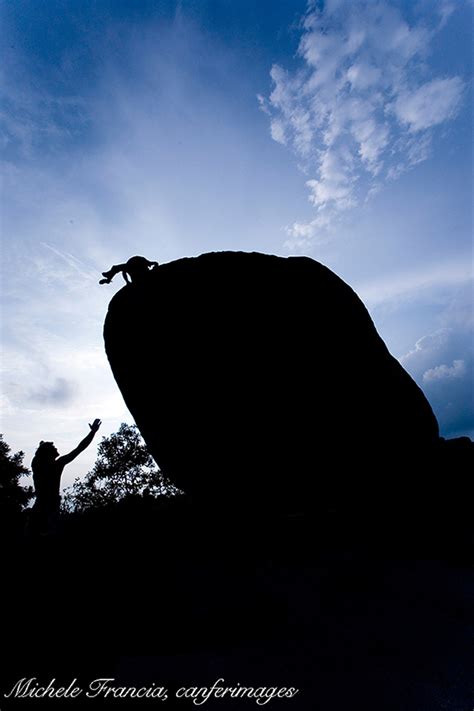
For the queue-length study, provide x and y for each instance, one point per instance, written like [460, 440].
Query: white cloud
[449, 388]
[363, 75]
[457, 370]
[430, 104]
[277, 130]
[335, 182]
[425, 350]
[445, 9]
[358, 110]
[301, 234]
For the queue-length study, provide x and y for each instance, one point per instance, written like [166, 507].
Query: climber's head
[138, 267]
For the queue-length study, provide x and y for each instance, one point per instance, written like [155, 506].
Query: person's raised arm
[66, 458]
[108, 276]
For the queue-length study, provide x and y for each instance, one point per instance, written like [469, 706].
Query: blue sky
[340, 130]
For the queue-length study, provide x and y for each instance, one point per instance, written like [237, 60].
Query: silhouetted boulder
[256, 377]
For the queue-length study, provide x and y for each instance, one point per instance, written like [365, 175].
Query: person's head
[46, 450]
[138, 267]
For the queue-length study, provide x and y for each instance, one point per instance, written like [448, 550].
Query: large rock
[254, 377]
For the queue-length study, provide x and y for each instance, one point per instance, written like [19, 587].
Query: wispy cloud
[429, 105]
[60, 392]
[406, 284]
[35, 119]
[361, 107]
[72, 266]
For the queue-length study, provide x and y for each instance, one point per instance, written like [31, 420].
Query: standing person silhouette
[47, 468]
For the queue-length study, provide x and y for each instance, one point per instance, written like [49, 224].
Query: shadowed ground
[181, 598]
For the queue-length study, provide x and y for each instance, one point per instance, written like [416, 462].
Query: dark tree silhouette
[124, 468]
[14, 497]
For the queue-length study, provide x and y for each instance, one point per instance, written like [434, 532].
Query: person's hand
[95, 426]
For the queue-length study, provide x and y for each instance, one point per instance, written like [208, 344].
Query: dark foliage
[124, 469]
[14, 497]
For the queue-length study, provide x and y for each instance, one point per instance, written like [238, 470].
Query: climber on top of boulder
[133, 271]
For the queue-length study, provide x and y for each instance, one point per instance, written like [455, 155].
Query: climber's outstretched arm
[112, 272]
